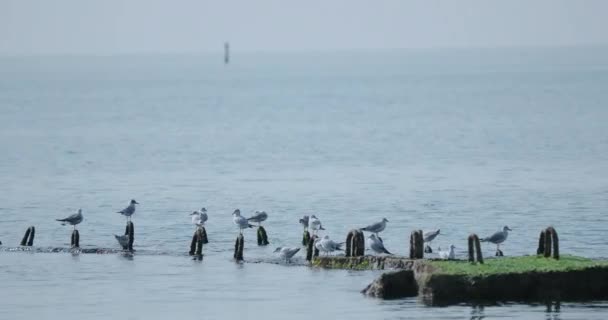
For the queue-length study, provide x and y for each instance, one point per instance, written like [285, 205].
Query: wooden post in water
[196, 247]
[311, 251]
[226, 53]
[75, 243]
[239, 247]
[130, 232]
[262, 236]
[204, 235]
[305, 238]
[28, 237]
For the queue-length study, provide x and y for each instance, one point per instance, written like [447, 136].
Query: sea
[461, 140]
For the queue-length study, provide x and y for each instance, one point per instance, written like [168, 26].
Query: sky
[38, 27]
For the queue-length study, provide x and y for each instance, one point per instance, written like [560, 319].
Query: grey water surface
[461, 140]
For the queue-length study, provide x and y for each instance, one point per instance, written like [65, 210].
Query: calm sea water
[465, 141]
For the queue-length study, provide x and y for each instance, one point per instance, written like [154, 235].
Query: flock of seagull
[309, 223]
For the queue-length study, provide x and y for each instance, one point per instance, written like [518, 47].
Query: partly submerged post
[305, 238]
[196, 247]
[204, 235]
[311, 251]
[262, 236]
[130, 233]
[238, 248]
[75, 243]
[226, 53]
[28, 237]
[474, 245]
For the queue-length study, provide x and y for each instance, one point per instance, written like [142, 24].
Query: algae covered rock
[392, 285]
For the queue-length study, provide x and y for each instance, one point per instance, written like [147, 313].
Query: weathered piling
[196, 246]
[262, 236]
[541, 243]
[75, 242]
[547, 252]
[28, 237]
[474, 246]
[355, 243]
[416, 245]
[555, 240]
[130, 233]
[550, 243]
[305, 238]
[239, 246]
[204, 235]
[311, 251]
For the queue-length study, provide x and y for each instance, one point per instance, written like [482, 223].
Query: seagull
[304, 222]
[431, 235]
[240, 221]
[122, 240]
[376, 227]
[329, 245]
[258, 217]
[448, 255]
[377, 245]
[315, 223]
[287, 253]
[498, 238]
[199, 217]
[73, 220]
[130, 210]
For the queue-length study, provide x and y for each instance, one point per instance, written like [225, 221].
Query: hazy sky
[129, 26]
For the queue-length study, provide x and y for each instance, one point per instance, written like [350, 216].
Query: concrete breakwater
[440, 282]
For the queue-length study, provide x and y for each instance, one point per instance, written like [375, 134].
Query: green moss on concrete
[508, 265]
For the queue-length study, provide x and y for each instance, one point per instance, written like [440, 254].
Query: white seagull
[73, 219]
[286, 252]
[199, 217]
[498, 237]
[315, 224]
[376, 245]
[240, 221]
[329, 245]
[258, 217]
[376, 227]
[448, 255]
[129, 210]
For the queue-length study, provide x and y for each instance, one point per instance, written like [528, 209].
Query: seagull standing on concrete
[498, 238]
[315, 224]
[377, 245]
[448, 255]
[376, 227]
[286, 252]
[73, 220]
[258, 217]
[129, 210]
[329, 245]
[240, 221]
